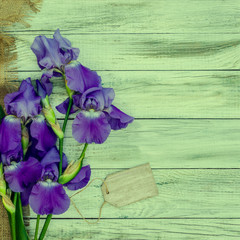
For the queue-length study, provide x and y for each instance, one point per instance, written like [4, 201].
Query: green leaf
[20, 228]
[2, 113]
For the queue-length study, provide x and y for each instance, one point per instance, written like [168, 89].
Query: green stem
[13, 219]
[45, 227]
[37, 227]
[63, 129]
[83, 152]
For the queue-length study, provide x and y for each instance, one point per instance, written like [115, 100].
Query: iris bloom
[23, 107]
[54, 53]
[37, 182]
[97, 115]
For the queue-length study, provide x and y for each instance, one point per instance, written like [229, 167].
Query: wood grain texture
[183, 193]
[144, 51]
[165, 144]
[141, 229]
[166, 94]
[139, 16]
[165, 59]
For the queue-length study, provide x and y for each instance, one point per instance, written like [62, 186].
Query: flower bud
[8, 204]
[25, 139]
[71, 171]
[57, 130]
[49, 114]
[48, 111]
[2, 181]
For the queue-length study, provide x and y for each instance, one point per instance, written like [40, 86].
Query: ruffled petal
[47, 52]
[89, 127]
[52, 156]
[43, 134]
[10, 133]
[96, 98]
[23, 103]
[21, 175]
[116, 118]
[68, 52]
[81, 180]
[62, 108]
[80, 78]
[92, 98]
[109, 95]
[49, 198]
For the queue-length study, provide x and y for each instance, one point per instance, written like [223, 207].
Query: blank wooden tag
[130, 186]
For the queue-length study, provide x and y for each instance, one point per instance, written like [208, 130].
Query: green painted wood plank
[144, 51]
[183, 193]
[139, 16]
[165, 144]
[151, 229]
[167, 94]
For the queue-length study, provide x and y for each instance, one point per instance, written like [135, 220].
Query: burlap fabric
[12, 14]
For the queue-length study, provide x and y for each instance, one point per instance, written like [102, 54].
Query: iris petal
[117, 119]
[89, 127]
[23, 174]
[62, 108]
[81, 180]
[80, 78]
[43, 134]
[10, 133]
[23, 103]
[49, 198]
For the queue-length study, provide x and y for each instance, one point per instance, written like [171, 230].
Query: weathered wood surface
[183, 193]
[144, 229]
[165, 59]
[144, 51]
[166, 94]
[139, 16]
[165, 144]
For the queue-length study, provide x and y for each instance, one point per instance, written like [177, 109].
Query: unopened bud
[57, 130]
[2, 181]
[8, 204]
[49, 114]
[71, 171]
[25, 139]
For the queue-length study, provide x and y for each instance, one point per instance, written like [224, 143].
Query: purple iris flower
[10, 140]
[54, 53]
[20, 176]
[47, 196]
[24, 103]
[97, 116]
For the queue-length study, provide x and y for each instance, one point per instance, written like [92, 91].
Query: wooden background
[174, 66]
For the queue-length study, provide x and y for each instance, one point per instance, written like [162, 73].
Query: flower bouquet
[33, 170]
